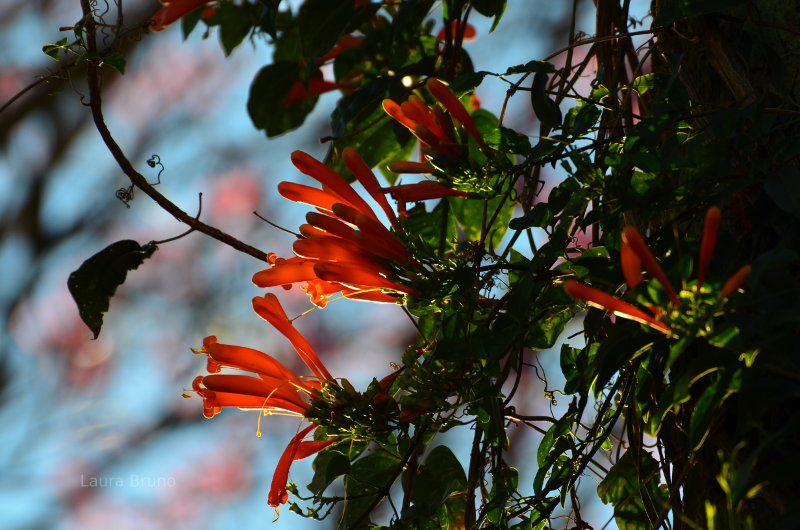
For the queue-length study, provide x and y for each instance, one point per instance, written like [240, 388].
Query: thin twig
[95, 103]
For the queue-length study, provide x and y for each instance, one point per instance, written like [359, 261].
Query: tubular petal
[374, 231]
[735, 281]
[402, 166]
[346, 42]
[450, 102]
[632, 237]
[308, 231]
[366, 177]
[469, 31]
[422, 191]
[308, 195]
[295, 450]
[315, 169]
[216, 401]
[708, 242]
[631, 266]
[316, 86]
[434, 142]
[284, 274]
[378, 297]
[382, 241]
[269, 308]
[335, 249]
[598, 298]
[172, 11]
[357, 277]
[385, 246]
[273, 394]
[419, 112]
[248, 359]
[330, 225]
[394, 110]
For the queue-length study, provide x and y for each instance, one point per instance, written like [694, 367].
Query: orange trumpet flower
[432, 126]
[297, 449]
[174, 10]
[345, 248]
[635, 254]
[273, 388]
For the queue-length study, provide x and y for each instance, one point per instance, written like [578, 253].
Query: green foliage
[272, 83]
[632, 486]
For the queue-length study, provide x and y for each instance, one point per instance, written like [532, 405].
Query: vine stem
[137, 179]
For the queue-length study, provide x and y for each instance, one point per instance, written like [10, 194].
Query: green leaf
[640, 182]
[377, 139]
[504, 485]
[544, 331]
[581, 119]
[535, 67]
[322, 22]
[646, 82]
[51, 50]
[327, 466]
[470, 215]
[115, 61]
[234, 24]
[490, 416]
[539, 216]
[546, 109]
[490, 8]
[440, 477]
[97, 279]
[189, 22]
[359, 105]
[633, 489]
[707, 409]
[267, 94]
[367, 476]
[553, 434]
[508, 140]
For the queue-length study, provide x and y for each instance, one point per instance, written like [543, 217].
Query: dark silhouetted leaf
[97, 279]
[267, 94]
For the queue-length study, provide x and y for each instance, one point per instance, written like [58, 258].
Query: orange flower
[345, 42]
[345, 248]
[297, 449]
[710, 229]
[431, 125]
[422, 191]
[634, 240]
[273, 389]
[735, 281]
[601, 300]
[469, 31]
[269, 308]
[635, 254]
[402, 166]
[316, 86]
[174, 10]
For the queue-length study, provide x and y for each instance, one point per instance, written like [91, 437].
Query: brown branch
[138, 180]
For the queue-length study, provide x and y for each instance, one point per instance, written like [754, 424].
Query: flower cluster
[432, 126]
[274, 390]
[344, 247]
[635, 254]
